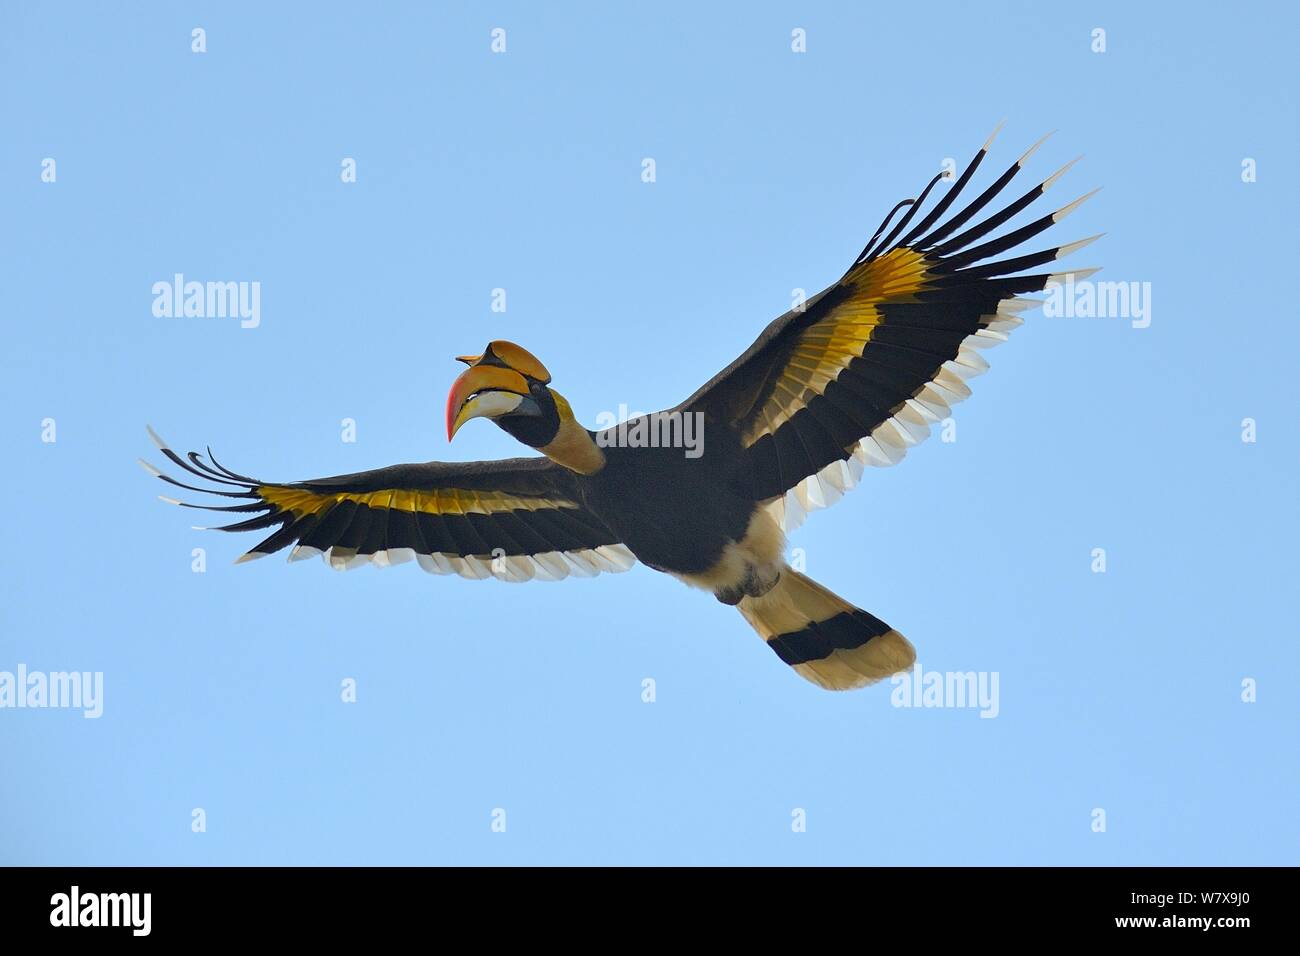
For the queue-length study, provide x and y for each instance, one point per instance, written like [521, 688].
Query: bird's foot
[754, 584]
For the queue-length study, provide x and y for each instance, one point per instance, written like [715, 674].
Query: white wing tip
[993, 135]
[1072, 275]
[157, 440]
[1033, 149]
[1071, 207]
[1047, 183]
[1070, 247]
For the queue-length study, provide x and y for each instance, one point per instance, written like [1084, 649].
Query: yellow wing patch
[827, 346]
[446, 501]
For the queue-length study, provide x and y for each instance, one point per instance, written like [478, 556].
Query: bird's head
[509, 385]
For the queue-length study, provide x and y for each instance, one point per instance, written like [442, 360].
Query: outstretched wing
[860, 373]
[515, 520]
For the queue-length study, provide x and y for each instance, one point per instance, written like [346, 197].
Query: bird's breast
[674, 511]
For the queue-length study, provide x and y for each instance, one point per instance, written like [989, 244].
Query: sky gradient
[523, 171]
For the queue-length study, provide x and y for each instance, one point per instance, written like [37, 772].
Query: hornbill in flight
[851, 379]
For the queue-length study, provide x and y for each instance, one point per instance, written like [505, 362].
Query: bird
[706, 491]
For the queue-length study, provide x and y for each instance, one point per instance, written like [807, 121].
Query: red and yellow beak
[483, 391]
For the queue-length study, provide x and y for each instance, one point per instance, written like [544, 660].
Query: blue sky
[1120, 690]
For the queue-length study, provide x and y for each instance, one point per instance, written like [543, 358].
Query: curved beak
[484, 391]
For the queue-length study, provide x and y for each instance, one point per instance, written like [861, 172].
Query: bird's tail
[823, 637]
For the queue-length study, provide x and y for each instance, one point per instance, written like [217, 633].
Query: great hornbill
[852, 378]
